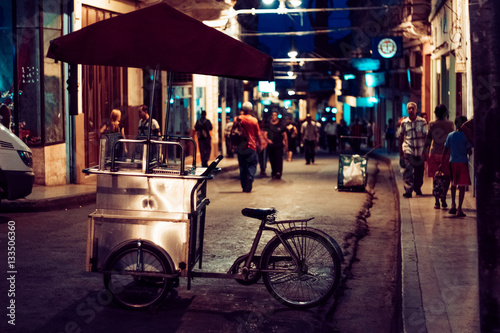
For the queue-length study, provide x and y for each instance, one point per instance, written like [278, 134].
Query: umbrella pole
[150, 120]
[170, 79]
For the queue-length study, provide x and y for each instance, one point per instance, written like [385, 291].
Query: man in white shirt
[412, 137]
[310, 138]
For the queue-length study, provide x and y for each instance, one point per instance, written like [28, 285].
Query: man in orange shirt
[247, 152]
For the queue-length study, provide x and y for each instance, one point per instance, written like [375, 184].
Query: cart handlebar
[212, 166]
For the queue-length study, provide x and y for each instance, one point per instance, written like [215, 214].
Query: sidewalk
[438, 252]
[439, 264]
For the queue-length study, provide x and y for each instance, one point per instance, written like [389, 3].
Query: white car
[16, 162]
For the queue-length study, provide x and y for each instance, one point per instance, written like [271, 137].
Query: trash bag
[353, 174]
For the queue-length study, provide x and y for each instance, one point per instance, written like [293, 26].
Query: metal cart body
[164, 205]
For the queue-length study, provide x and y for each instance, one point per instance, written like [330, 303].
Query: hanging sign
[387, 47]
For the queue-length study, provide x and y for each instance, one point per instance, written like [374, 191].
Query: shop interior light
[349, 77]
[268, 2]
[290, 73]
[291, 92]
[293, 54]
[295, 3]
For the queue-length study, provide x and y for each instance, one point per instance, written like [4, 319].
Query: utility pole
[485, 41]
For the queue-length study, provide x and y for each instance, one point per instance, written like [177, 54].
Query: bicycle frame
[250, 256]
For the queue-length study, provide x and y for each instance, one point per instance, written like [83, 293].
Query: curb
[43, 205]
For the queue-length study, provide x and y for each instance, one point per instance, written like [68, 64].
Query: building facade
[58, 109]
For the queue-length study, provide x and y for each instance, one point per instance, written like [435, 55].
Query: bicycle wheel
[137, 291]
[310, 281]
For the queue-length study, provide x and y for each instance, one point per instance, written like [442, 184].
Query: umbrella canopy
[161, 37]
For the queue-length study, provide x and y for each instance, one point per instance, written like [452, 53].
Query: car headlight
[26, 157]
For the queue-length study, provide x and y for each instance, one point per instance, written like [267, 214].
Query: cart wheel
[252, 277]
[132, 290]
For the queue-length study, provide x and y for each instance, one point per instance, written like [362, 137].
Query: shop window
[53, 101]
[29, 94]
[39, 107]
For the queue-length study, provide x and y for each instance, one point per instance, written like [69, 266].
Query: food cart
[162, 201]
[152, 206]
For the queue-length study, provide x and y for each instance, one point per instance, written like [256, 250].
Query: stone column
[485, 58]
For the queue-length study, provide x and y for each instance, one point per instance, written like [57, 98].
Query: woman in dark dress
[292, 136]
[276, 133]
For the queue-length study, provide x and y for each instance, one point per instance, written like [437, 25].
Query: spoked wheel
[252, 277]
[132, 282]
[307, 283]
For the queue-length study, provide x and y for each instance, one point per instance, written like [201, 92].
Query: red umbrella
[161, 37]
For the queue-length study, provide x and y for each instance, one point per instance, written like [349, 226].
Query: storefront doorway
[104, 88]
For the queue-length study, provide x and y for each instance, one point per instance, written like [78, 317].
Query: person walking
[292, 136]
[342, 132]
[113, 130]
[436, 137]
[143, 130]
[113, 125]
[389, 135]
[262, 149]
[457, 147]
[247, 153]
[227, 136]
[412, 138]
[143, 126]
[276, 132]
[331, 135]
[203, 127]
[310, 138]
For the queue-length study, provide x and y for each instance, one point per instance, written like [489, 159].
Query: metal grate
[166, 171]
[5, 144]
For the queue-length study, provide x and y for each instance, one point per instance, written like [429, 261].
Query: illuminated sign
[374, 79]
[365, 64]
[267, 87]
[387, 47]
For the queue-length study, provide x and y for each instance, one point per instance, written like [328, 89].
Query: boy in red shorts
[456, 149]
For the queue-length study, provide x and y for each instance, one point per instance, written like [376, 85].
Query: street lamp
[282, 7]
[294, 3]
[293, 54]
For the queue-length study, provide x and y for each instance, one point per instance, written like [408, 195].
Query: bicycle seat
[258, 213]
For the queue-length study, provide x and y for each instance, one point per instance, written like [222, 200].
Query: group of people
[271, 140]
[445, 149]
[114, 130]
[438, 143]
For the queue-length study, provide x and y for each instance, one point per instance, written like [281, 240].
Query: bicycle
[300, 266]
